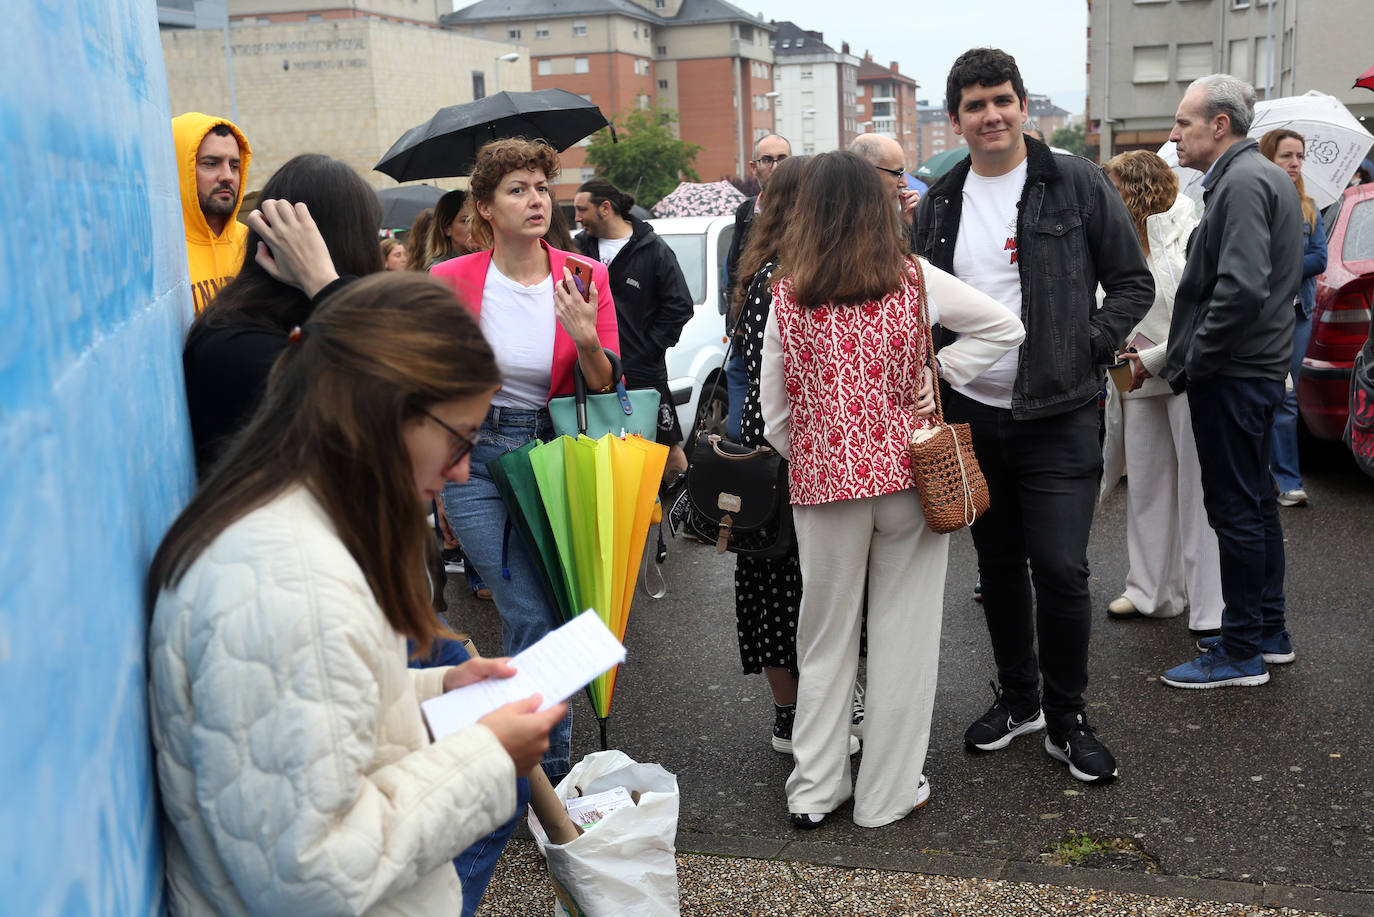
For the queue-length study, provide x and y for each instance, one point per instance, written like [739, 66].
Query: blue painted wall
[94, 444]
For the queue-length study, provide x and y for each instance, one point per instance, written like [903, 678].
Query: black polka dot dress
[767, 591]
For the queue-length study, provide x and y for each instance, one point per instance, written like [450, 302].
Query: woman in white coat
[1174, 562]
[296, 773]
[843, 358]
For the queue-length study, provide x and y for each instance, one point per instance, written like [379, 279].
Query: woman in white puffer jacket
[1174, 562]
[296, 773]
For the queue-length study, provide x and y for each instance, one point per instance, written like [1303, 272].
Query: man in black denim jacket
[1037, 231]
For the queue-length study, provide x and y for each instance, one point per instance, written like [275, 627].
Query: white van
[694, 363]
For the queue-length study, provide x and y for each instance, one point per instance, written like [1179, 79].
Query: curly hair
[1147, 186]
[495, 161]
[1269, 146]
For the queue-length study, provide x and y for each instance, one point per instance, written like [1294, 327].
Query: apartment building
[886, 104]
[1143, 54]
[816, 90]
[707, 59]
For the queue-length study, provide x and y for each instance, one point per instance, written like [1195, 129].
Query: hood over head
[213, 259]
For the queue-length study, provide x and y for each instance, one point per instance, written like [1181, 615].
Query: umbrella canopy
[447, 143]
[1336, 142]
[937, 165]
[1365, 79]
[915, 184]
[400, 206]
[700, 199]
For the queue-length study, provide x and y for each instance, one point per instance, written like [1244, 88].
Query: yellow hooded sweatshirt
[213, 259]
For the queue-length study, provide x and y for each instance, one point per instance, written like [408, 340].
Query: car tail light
[1345, 323]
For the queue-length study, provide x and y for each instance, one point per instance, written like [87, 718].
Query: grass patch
[1073, 849]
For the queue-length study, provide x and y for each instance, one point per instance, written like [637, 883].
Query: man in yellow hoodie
[212, 163]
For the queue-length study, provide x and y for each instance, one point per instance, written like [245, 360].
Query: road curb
[1307, 898]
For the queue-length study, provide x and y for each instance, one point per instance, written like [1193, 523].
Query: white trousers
[1173, 552]
[885, 538]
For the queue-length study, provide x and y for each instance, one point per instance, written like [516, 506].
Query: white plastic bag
[625, 864]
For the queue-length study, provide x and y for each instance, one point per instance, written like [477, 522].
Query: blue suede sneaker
[1276, 650]
[1214, 669]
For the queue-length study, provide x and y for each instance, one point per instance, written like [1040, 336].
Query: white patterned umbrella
[1336, 143]
[700, 199]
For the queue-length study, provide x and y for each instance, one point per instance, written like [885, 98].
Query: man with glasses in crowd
[887, 157]
[768, 152]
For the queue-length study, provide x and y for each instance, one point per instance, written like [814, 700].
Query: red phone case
[582, 276]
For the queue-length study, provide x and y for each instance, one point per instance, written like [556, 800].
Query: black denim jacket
[1073, 232]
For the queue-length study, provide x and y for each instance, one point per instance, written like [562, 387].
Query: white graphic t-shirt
[985, 258]
[607, 249]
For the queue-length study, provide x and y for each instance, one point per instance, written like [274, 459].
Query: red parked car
[1340, 320]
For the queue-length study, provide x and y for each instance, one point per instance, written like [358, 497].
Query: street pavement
[1259, 796]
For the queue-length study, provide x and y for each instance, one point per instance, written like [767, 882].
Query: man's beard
[213, 206]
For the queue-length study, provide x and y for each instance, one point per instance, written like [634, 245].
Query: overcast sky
[1048, 38]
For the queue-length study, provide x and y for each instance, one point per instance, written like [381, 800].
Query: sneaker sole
[1240, 681]
[922, 799]
[1019, 730]
[1270, 658]
[1058, 754]
[784, 746]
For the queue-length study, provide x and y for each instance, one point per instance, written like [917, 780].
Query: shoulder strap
[923, 311]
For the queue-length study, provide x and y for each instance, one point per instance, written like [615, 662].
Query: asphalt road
[1271, 784]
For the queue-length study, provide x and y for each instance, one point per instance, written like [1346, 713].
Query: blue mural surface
[95, 446]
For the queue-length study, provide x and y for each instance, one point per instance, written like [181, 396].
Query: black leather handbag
[737, 498]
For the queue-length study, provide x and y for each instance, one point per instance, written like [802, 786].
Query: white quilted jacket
[296, 773]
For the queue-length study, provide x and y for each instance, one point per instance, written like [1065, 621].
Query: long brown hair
[1147, 184]
[1269, 146]
[417, 241]
[438, 244]
[495, 161]
[372, 358]
[765, 234]
[844, 241]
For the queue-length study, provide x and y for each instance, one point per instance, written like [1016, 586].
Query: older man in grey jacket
[1229, 344]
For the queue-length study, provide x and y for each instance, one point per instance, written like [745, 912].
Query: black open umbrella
[400, 206]
[447, 144]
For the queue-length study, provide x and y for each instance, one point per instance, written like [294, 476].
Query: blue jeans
[476, 864]
[495, 552]
[737, 387]
[1233, 423]
[1284, 464]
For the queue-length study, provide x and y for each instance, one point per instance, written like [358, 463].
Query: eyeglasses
[895, 173]
[769, 160]
[466, 441]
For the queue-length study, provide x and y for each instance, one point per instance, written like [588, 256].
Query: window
[541, 30]
[859, 107]
[806, 73]
[1239, 66]
[642, 101]
[1151, 64]
[808, 149]
[1193, 60]
[1240, 4]
[661, 50]
[659, 4]
[1358, 244]
[587, 173]
[580, 65]
[479, 85]
[545, 67]
[662, 84]
[636, 30]
[1264, 67]
[513, 34]
[579, 29]
[690, 250]
[641, 67]
[800, 42]
[314, 17]
[787, 43]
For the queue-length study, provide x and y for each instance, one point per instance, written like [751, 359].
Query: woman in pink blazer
[539, 325]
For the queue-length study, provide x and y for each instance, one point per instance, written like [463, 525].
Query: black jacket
[652, 301]
[1073, 232]
[744, 219]
[1233, 313]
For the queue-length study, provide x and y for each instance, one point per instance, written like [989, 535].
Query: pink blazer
[468, 275]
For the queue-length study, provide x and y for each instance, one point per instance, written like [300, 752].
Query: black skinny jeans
[1042, 480]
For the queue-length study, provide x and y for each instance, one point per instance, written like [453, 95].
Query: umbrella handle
[614, 138]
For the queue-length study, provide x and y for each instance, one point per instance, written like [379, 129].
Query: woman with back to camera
[540, 327]
[843, 359]
[295, 770]
[417, 241]
[1174, 561]
[1287, 150]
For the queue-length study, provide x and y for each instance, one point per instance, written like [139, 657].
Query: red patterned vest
[852, 373]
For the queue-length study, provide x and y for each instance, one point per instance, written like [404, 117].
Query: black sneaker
[1088, 759]
[996, 728]
[783, 718]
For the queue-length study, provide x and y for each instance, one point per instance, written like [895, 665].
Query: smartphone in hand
[582, 276]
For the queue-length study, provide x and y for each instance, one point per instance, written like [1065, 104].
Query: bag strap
[580, 388]
[923, 311]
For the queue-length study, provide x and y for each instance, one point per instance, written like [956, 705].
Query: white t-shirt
[985, 258]
[518, 321]
[607, 249]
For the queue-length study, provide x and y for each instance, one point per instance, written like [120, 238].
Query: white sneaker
[1295, 497]
[922, 792]
[856, 722]
[1122, 607]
